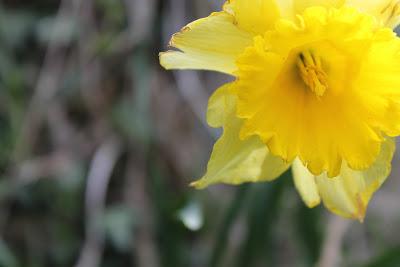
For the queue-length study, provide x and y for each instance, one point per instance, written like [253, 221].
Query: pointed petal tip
[313, 204]
[362, 209]
[198, 184]
[163, 59]
[359, 217]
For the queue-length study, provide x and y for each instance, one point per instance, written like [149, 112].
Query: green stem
[229, 219]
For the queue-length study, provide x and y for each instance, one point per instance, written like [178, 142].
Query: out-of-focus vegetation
[98, 145]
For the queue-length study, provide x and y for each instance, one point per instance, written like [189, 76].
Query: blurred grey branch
[98, 179]
[139, 201]
[331, 251]
[189, 84]
[140, 15]
[49, 80]
[104, 143]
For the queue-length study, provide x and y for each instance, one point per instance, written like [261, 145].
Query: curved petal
[301, 5]
[305, 184]
[268, 84]
[211, 43]
[219, 106]
[348, 194]
[258, 16]
[386, 11]
[236, 161]
[255, 16]
[288, 9]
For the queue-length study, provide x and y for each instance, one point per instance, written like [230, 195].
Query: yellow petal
[348, 194]
[386, 11]
[301, 5]
[211, 43]
[287, 9]
[354, 76]
[290, 8]
[305, 184]
[219, 106]
[256, 16]
[235, 161]
[229, 7]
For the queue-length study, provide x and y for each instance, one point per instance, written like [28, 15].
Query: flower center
[310, 69]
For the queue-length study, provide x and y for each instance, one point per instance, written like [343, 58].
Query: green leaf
[389, 258]
[118, 223]
[7, 257]
[226, 225]
[263, 212]
[310, 232]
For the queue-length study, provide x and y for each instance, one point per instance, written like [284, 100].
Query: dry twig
[98, 179]
[47, 85]
[331, 250]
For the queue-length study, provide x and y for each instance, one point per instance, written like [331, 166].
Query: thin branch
[189, 84]
[98, 179]
[138, 199]
[331, 250]
[47, 85]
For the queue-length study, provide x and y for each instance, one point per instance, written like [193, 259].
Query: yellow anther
[310, 69]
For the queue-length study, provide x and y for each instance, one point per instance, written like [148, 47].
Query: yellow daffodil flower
[317, 88]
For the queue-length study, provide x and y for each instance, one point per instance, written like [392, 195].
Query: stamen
[310, 69]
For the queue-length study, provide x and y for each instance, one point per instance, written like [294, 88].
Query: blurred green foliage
[77, 77]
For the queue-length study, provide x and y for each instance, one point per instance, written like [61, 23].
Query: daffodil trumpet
[317, 88]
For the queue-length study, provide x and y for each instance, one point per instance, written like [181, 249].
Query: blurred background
[98, 145]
